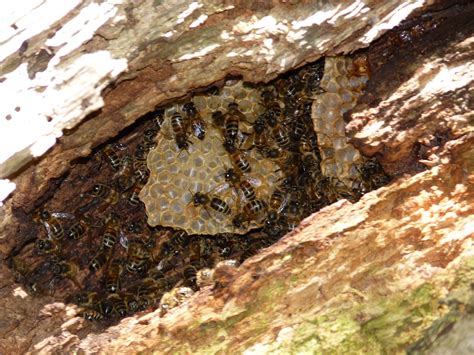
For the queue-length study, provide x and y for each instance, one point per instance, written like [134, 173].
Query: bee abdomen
[248, 190]
[220, 205]
[281, 136]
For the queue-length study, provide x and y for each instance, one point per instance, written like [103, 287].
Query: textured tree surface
[390, 272]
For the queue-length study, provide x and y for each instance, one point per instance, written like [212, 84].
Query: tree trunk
[388, 273]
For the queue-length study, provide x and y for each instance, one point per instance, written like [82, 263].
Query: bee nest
[342, 84]
[176, 174]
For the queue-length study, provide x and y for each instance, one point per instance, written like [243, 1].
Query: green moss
[266, 295]
[402, 318]
[391, 323]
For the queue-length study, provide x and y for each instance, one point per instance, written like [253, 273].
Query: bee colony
[210, 179]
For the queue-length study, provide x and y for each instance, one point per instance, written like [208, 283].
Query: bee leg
[185, 149]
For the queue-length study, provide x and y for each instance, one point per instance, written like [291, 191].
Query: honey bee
[232, 119]
[289, 164]
[198, 126]
[135, 227]
[177, 242]
[51, 223]
[149, 138]
[100, 260]
[268, 98]
[112, 276]
[168, 262]
[79, 228]
[86, 299]
[305, 146]
[278, 201]
[179, 238]
[117, 304]
[134, 199]
[92, 315]
[20, 268]
[90, 301]
[298, 128]
[155, 274]
[238, 220]
[293, 215]
[210, 202]
[274, 228]
[237, 158]
[106, 194]
[274, 111]
[292, 91]
[140, 168]
[157, 118]
[174, 298]
[48, 246]
[279, 133]
[254, 207]
[124, 178]
[372, 175]
[272, 153]
[361, 66]
[311, 165]
[131, 302]
[241, 184]
[140, 153]
[105, 307]
[226, 244]
[148, 291]
[138, 257]
[111, 233]
[67, 269]
[334, 190]
[250, 212]
[259, 134]
[112, 157]
[189, 274]
[180, 128]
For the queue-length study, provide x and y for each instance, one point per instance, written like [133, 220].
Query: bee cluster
[221, 176]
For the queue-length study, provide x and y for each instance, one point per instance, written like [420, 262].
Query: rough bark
[389, 272]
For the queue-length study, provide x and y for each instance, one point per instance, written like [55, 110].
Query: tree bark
[390, 272]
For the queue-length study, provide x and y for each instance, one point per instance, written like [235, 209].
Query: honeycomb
[175, 174]
[91, 244]
[342, 82]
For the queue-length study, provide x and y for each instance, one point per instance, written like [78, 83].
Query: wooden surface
[389, 272]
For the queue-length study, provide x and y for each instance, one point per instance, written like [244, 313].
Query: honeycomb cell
[342, 90]
[200, 167]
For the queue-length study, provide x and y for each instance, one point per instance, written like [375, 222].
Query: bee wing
[219, 188]
[254, 181]
[63, 215]
[284, 203]
[123, 241]
[198, 127]
[48, 230]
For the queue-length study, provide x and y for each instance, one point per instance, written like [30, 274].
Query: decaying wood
[391, 272]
